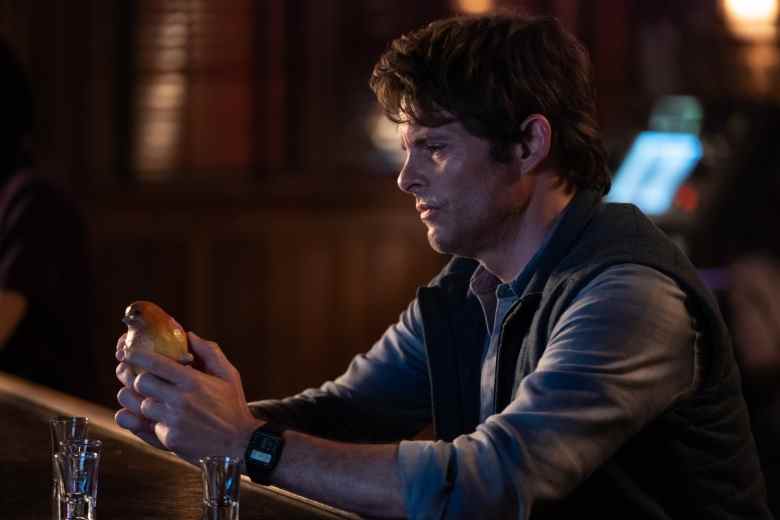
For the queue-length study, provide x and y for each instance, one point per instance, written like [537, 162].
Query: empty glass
[76, 465]
[63, 429]
[221, 483]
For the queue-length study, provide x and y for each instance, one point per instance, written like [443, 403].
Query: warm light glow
[473, 6]
[161, 120]
[384, 134]
[158, 143]
[166, 93]
[751, 19]
[173, 32]
[160, 134]
[172, 59]
[752, 10]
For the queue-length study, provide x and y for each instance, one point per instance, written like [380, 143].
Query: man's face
[464, 197]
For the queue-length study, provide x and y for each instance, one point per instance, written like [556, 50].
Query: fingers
[213, 358]
[120, 343]
[163, 433]
[125, 374]
[129, 421]
[159, 365]
[149, 385]
[129, 399]
[138, 426]
[154, 410]
[150, 438]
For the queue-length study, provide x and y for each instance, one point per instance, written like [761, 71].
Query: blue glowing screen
[653, 169]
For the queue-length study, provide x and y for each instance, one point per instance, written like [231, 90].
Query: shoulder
[637, 281]
[633, 297]
[632, 308]
[622, 231]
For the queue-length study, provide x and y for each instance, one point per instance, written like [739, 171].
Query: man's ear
[535, 142]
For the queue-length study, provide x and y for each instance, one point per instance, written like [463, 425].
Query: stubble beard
[461, 243]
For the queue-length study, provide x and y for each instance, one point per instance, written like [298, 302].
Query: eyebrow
[421, 140]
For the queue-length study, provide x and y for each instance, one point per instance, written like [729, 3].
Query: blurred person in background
[754, 317]
[569, 357]
[738, 234]
[45, 281]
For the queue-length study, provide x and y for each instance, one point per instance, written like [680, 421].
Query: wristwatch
[263, 452]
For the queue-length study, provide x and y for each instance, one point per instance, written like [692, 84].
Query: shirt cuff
[423, 468]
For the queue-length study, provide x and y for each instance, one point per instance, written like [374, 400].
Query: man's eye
[433, 148]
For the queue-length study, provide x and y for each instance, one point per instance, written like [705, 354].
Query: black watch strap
[263, 452]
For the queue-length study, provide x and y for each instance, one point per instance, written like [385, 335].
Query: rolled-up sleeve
[618, 357]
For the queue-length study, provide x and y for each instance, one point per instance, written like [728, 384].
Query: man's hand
[194, 414]
[130, 416]
[181, 409]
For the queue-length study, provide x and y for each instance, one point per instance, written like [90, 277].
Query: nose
[410, 180]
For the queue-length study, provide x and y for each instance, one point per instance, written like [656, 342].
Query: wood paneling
[131, 266]
[290, 295]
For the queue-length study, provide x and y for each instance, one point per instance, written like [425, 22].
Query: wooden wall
[291, 294]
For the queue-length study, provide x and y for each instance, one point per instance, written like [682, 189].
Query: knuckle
[122, 396]
[124, 374]
[141, 383]
[147, 406]
[163, 434]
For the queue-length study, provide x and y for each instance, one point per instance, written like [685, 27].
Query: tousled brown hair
[492, 72]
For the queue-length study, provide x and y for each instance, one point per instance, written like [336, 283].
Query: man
[569, 358]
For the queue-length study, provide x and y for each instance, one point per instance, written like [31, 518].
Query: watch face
[263, 449]
[259, 456]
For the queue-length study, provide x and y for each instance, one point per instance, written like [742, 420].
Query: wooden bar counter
[136, 481]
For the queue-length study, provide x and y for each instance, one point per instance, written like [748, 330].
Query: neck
[525, 229]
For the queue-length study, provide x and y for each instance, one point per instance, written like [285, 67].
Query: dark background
[221, 153]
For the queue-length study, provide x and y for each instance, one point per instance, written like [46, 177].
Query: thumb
[212, 357]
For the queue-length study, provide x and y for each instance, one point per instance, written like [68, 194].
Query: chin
[440, 244]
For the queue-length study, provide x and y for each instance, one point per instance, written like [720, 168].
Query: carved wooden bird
[152, 329]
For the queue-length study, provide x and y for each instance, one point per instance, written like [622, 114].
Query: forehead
[411, 132]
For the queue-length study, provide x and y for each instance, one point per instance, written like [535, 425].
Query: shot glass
[63, 429]
[76, 465]
[221, 483]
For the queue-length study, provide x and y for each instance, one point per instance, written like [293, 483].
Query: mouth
[427, 210]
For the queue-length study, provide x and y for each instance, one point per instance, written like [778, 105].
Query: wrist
[264, 451]
[243, 437]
